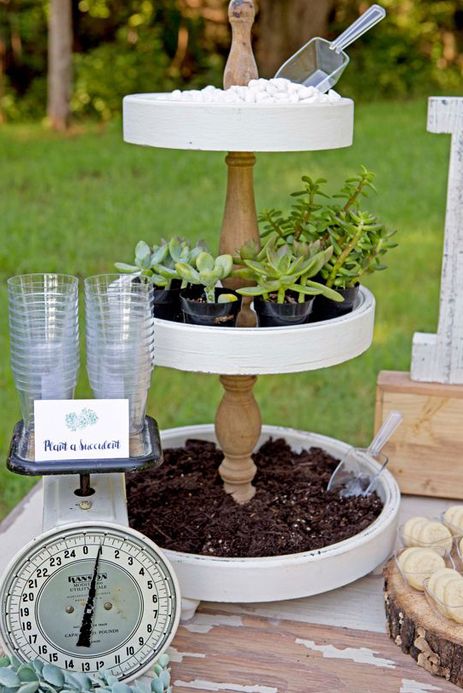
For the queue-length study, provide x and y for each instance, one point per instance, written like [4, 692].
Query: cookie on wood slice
[433, 641]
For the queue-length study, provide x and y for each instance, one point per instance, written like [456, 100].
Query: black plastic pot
[270, 314]
[197, 312]
[167, 304]
[326, 309]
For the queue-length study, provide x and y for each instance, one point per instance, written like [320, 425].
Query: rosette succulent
[207, 271]
[278, 269]
[158, 262]
[39, 677]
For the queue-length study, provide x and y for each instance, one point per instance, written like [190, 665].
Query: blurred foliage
[416, 50]
[123, 46]
[120, 46]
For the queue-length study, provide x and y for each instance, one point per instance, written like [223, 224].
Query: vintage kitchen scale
[88, 593]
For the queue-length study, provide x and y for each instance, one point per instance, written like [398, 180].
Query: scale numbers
[89, 598]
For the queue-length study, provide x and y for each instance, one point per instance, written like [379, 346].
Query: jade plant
[207, 272]
[358, 239]
[158, 262]
[300, 223]
[37, 676]
[279, 269]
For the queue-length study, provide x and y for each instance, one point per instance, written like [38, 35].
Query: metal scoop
[350, 477]
[320, 63]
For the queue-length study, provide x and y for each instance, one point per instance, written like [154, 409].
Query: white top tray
[261, 350]
[155, 122]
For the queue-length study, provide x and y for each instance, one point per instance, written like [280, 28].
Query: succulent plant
[285, 268]
[158, 263]
[207, 271]
[145, 259]
[358, 239]
[300, 222]
[39, 677]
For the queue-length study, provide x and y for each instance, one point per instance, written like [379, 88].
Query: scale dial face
[89, 598]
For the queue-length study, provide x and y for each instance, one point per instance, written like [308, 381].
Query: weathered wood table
[333, 642]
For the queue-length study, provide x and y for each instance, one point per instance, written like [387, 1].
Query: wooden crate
[426, 452]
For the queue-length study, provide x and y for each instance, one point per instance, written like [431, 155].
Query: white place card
[77, 429]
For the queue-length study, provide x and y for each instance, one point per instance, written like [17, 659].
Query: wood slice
[434, 642]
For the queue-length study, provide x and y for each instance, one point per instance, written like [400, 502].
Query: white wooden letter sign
[439, 357]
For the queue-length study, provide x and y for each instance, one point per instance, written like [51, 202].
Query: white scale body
[89, 594]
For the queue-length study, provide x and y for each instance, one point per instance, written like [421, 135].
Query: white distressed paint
[439, 357]
[411, 686]
[295, 575]
[202, 685]
[203, 623]
[258, 351]
[176, 656]
[152, 121]
[360, 655]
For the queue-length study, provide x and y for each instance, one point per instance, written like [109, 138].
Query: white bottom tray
[294, 575]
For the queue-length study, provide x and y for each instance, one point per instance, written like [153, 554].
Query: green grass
[75, 204]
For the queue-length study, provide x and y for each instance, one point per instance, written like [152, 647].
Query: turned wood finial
[238, 427]
[241, 65]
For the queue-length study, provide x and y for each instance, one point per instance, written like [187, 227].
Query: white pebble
[333, 95]
[265, 91]
[293, 87]
[280, 83]
[262, 97]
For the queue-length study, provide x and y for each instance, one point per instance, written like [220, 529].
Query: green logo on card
[77, 422]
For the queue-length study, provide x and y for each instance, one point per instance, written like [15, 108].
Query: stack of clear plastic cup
[44, 337]
[120, 341]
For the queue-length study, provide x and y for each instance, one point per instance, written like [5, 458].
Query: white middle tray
[261, 350]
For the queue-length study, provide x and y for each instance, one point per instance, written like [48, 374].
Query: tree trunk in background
[59, 63]
[284, 26]
[2, 78]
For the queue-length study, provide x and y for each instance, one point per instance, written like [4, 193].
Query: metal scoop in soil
[349, 477]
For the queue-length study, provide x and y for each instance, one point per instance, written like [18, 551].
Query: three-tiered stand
[239, 355]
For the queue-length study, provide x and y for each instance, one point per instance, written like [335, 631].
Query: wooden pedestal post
[427, 450]
[238, 422]
[238, 426]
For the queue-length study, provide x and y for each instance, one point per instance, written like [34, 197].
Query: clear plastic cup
[442, 545]
[30, 379]
[44, 337]
[137, 405]
[28, 397]
[23, 283]
[36, 345]
[120, 341]
[416, 579]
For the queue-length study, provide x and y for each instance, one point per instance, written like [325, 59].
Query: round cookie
[435, 534]
[453, 599]
[418, 564]
[454, 516]
[450, 572]
[411, 528]
[438, 591]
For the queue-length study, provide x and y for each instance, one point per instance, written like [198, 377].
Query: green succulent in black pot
[284, 286]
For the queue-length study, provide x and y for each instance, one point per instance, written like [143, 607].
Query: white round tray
[261, 350]
[153, 121]
[295, 575]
